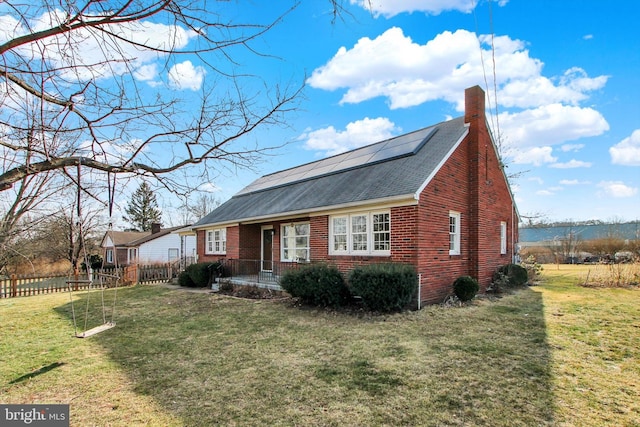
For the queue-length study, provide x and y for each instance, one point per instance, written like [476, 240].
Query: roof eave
[398, 200]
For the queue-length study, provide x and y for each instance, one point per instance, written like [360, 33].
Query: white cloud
[571, 147]
[570, 88]
[617, 189]
[536, 110]
[571, 164]
[535, 155]
[389, 8]
[146, 73]
[573, 182]
[409, 74]
[627, 151]
[209, 187]
[356, 134]
[185, 76]
[551, 124]
[95, 54]
[536, 179]
[545, 193]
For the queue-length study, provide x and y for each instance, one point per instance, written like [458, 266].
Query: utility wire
[495, 124]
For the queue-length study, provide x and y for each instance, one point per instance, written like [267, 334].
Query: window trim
[132, 255]
[369, 233]
[295, 237]
[210, 241]
[457, 223]
[503, 237]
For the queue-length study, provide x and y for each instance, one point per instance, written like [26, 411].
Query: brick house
[437, 198]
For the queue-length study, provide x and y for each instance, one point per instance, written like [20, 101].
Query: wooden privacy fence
[26, 285]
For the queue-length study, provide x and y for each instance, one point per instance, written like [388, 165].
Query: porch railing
[256, 271]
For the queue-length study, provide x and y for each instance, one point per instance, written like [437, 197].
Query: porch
[260, 273]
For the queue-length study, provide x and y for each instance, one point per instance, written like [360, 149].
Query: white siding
[157, 250]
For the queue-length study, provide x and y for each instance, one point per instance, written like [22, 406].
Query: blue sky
[561, 79]
[565, 76]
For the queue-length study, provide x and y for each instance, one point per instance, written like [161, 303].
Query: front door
[267, 249]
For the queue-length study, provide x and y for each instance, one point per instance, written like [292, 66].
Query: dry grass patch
[183, 358]
[594, 334]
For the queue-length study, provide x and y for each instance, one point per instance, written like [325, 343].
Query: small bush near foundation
[384, 287]
[516, 275]
[316, 284]
[465, 288]
[200, 273]
[185, 280]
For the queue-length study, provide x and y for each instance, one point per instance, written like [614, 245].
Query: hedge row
[382, 287]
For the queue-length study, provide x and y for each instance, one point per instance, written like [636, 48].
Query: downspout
[513, 237]
[419, 289]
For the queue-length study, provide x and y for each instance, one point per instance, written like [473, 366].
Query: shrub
[516, 275]
[316, 284]
[95, 261]
[465, 288]
[185, 280]
[384, 287]
[534, 269]
[200, 274]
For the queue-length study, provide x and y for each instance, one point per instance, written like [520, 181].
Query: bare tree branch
[84, 71]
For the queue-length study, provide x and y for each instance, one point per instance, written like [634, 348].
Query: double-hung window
[454, 233]
[295, 242]
[362, 233]
[216, 242]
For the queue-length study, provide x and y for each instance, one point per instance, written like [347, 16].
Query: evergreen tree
[142, 210]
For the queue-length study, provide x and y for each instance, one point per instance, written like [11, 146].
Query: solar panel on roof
[401, 146]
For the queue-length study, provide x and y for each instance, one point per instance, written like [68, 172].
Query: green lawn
[554, 354]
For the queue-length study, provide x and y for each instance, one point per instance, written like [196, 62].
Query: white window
[173, 254]
[216, 242]
[359, 233]
[339, 234]
[454, 233]
[109, 256]
[381, 232]
[362, 233]
[133, 255]
[503, 237]
[295, 242]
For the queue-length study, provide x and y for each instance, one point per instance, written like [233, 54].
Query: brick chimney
[474, 105]
[474, 115]
[155, 227]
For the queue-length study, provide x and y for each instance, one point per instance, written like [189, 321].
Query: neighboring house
[151, 247]
[436, 198]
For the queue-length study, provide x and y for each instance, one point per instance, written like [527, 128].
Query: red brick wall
[449, 190]
[474, 165]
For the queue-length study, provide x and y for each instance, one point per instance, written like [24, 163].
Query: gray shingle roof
[402, 175]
